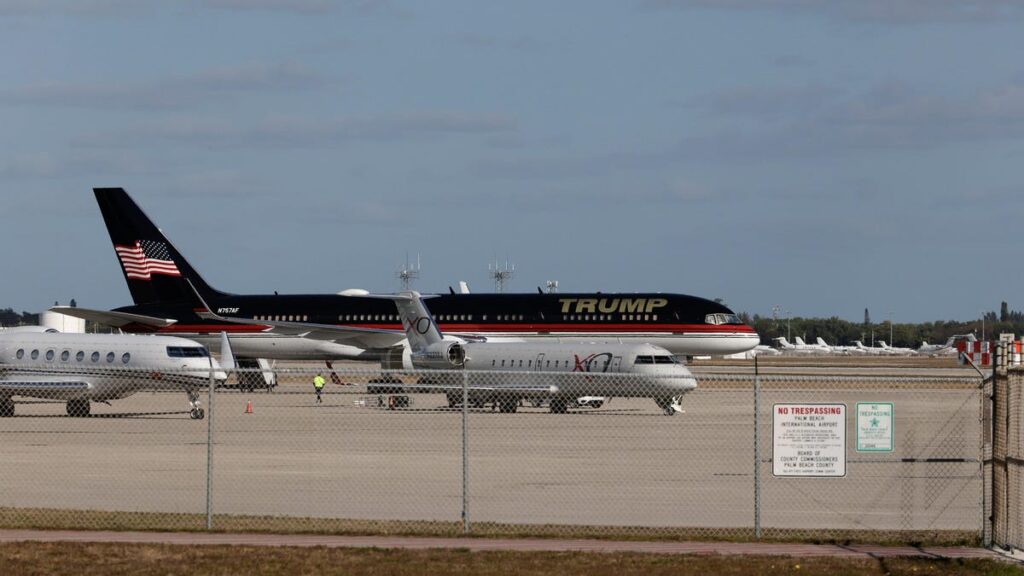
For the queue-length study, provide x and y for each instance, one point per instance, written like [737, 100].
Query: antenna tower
[501, 275]
[406, 274]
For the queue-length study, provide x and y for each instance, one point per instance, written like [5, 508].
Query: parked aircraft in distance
[799, 348]
[947, 349]
[157, 277]
[895, 351]
[39, 362]
[538, 370]
[837, 349]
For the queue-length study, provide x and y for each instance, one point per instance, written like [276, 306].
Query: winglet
[227, 356]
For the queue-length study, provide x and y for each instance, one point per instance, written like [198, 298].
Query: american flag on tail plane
[146, 258]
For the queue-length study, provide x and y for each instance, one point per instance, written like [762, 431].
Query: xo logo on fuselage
[588, 363]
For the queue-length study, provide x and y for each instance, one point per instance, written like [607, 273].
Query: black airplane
[159, 279]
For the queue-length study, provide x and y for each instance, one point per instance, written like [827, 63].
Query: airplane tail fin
[821, 341]
[420, 328]
[800, 341]
[153, 268]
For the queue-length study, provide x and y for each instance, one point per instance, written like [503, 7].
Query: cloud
[770, 102]
[301, 132]
[169, 93]
[73, 7]
[819, 121]
[118, 8]
[49, 165]
[891, 12]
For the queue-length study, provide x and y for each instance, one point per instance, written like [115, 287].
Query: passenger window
[492, 362]
[95, 357]
[21, 353]
[502, 363]
[35, 354]
[529, 363]
[80, 356]
[110, 357]
[49, 355]
[65, 355]
[520, 363]
[547, 363]
[125, 358]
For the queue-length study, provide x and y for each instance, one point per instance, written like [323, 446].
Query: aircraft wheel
[197, 413]
[78, 408]
[559, 406]
[509, 406]
[6, 408]
[454, 399]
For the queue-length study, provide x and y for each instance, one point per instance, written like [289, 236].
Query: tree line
[835, 330]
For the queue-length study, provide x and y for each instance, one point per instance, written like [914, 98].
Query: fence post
[209, 451]
[757, 452]
[465, 454]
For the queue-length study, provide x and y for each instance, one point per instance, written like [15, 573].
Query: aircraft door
[539, 365]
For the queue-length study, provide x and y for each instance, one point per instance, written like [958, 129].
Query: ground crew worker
[318, 385]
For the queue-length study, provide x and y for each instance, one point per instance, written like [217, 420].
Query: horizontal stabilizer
[112, 318]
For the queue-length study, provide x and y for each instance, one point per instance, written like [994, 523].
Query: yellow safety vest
[318, 382]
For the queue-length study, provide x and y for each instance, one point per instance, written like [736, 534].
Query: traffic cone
[248, 407]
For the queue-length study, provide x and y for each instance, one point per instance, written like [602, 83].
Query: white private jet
[947, 349]
[869, 350]
[800, 347]
[895, 351]
[38, 362]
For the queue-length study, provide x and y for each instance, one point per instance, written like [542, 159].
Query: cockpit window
[659, 359]
[187, 352]
[722, 319]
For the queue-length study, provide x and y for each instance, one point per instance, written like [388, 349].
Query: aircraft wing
[360, 337]
[43, 385]
[352, 335]
[112, 318]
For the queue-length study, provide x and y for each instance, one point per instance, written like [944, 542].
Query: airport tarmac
[625, 464]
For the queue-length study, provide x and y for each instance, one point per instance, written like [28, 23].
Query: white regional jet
[38, 362]
[529, 370]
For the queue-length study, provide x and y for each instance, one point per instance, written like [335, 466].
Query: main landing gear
[6, 407]
[78, 408]
[196, 413]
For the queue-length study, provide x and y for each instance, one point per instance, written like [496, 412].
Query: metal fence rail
[402, 453]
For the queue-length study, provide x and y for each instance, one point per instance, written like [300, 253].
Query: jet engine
[441, 356]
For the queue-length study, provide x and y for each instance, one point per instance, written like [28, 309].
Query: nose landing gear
[670, 405]
[196, 413]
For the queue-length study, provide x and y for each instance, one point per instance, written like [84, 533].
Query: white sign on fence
[809, 440]
[874, 426]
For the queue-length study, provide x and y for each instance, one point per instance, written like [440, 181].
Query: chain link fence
[1005, 458]
[403, 453]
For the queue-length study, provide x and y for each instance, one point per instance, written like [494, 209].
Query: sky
[822, 157]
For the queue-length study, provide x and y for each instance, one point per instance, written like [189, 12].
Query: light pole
[982, 325]
[787, 325]
[891, 343]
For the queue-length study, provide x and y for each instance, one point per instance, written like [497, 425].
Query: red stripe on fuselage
[525, 328]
